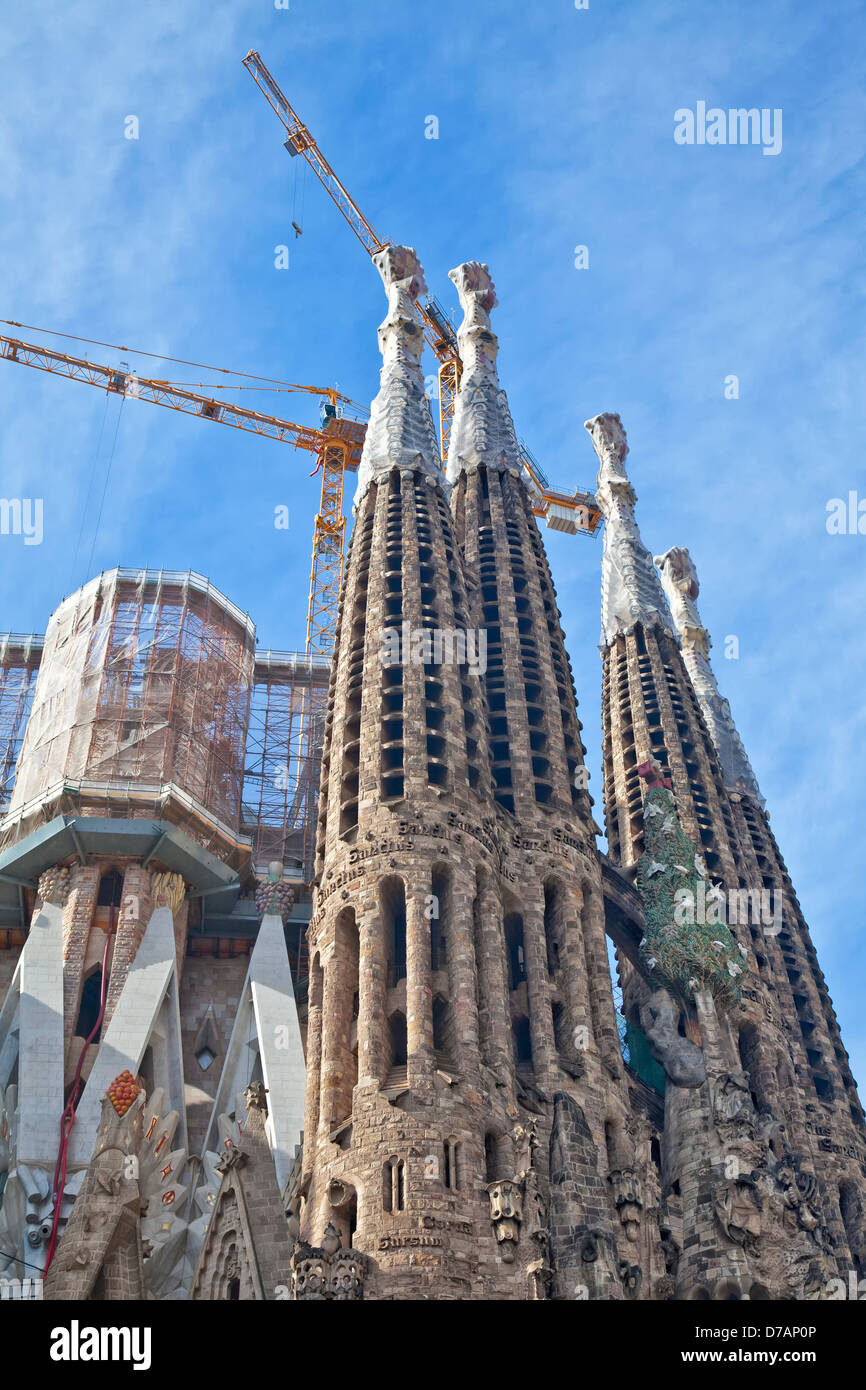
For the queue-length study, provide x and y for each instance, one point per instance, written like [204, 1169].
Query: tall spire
[680, 582]
[630, 588]
[400, 433]
[483, 431]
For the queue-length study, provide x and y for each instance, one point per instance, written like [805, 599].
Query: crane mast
[338, 445]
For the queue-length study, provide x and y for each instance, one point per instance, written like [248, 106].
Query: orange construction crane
[338, 445]
[565, 511]
[437, 330]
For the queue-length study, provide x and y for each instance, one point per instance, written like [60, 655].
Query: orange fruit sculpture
[123, 1091]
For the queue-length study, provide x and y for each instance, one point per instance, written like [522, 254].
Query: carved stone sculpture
[682, 1060]
[627, 1200]
[506, 1213]
[328, 1273]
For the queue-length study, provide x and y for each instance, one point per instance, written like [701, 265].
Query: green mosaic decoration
[681, 952]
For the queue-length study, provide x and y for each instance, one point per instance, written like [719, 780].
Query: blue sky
[555, 130]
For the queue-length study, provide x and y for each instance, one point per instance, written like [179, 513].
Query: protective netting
[19, 667]
[151, 689]
[145, 680]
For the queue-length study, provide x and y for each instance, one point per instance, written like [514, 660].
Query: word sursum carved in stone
[737, 126]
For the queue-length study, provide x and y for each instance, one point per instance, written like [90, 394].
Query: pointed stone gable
[247, 1251]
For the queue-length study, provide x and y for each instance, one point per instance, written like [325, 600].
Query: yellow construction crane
[564, 511]
[338, 445]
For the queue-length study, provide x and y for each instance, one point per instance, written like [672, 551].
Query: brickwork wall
[132, 918]
[207, 980]
[77, 924]
[8, 962]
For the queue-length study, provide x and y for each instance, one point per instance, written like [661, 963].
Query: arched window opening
[560, 1028]
[748, 1046]
[110, 891]
[522, 1037]
[617, 1145]
[393, 903]
[439, 911]
[497, 1156]
[91, 999]
[399, 1040]
[478, 943]
[553, 926]
[394, 1185]
[345, 962]
[451, 1174]
[515, 949]
[443, 1029]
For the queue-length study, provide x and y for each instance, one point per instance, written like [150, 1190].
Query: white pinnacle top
[680, 581]
[630, 588]
[482, 431]
[400, 433]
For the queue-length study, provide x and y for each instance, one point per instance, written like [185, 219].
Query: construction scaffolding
[144, 692]
[20, 657]
[152, 701]
[283, 758]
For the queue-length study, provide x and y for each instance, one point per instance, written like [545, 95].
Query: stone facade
[247, 1252]
[458, 970]
[757, 1198]
[446, 1112]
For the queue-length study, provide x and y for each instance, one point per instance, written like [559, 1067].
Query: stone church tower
[749, 1117]
[462, 1052]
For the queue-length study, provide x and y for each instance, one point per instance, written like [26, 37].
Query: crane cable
[138, 352]
[86, 508]
[105, 487]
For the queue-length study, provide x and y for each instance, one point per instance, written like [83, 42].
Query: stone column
[314, 1060]
[419, 993]
[331, 1037]
[577, 986]
[540, 1017]
[132, 918]
[602, 1008]
[371, 998]
[460, 949]
[77, 921]
[493, 981]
